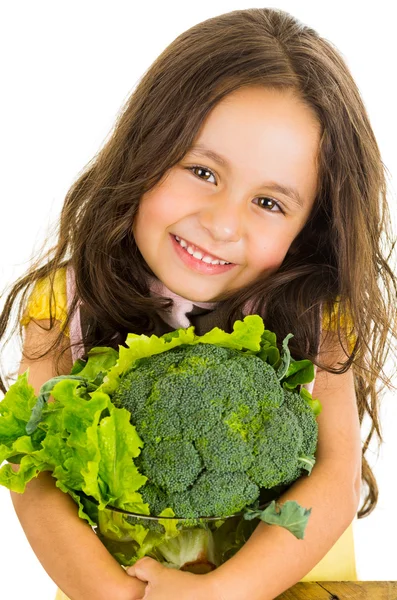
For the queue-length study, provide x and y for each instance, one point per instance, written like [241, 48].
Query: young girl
[242, 177]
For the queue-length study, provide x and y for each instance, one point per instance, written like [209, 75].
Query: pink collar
[177, 315]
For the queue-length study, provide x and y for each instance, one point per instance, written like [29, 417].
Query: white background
[67, 68]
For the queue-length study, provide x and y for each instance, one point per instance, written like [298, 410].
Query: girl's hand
[164, 583]
[135, 590]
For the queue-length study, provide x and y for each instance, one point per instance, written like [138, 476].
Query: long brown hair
[340, 259]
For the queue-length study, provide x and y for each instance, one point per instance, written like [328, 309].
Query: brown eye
[270, 203]
[201, 172]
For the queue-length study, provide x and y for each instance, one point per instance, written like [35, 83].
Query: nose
[222, 217]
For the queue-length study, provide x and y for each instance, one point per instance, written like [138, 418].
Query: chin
[191, 295]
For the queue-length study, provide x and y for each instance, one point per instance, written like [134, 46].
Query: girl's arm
[66, 546]
[273, 560]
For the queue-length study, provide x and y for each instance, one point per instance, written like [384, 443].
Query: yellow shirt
[337, 565]
[38, 306]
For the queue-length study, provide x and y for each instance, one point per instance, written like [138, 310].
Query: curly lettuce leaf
[118, 444]
[42, 399]
[15, 445]
[269, 351]
[246, 335]
[89, 373]
[88, 445]
[100, 359]
[129, 538]
[15, 410]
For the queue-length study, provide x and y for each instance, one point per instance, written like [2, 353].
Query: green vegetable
[216, 427]
[177, 426]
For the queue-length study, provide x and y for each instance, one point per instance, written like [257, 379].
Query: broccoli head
[216, 426]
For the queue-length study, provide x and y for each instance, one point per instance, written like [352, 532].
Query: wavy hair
[341, 258]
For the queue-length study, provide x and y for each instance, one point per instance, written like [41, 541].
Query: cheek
[268, 254]
[163, 207]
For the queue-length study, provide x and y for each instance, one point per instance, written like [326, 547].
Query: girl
[242, 177]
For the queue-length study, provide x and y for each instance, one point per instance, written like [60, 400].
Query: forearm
[273, 560]
[67, 547]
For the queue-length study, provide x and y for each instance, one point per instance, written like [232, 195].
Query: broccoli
[173, 465]
[216, 426]
[169, 430]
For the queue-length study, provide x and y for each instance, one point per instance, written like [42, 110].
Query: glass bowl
[195, 545]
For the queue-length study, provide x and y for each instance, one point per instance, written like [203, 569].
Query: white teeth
[199, 255]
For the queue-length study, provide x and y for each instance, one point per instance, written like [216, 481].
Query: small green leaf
[299, 372]
[285, 358]
[316, 407]
[17, 404]
[78, 366]
[314, 403]
[290, 515]
[307, 463]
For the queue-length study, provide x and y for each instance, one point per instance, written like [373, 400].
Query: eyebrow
[200, 149]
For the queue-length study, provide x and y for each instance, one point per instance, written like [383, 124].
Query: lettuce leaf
[88, 445]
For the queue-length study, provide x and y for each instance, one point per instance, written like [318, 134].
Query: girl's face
[240, 199]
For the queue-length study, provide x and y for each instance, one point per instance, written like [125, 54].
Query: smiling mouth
[199, 253]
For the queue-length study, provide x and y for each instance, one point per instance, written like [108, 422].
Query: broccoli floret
[307, 422]
[155, 497]
[172, 465]
[289, 438]
[222, 494]
[217, 426]
[277, 458]
[140, 392]
[217, 494]
[181, 504]
[224, 450]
